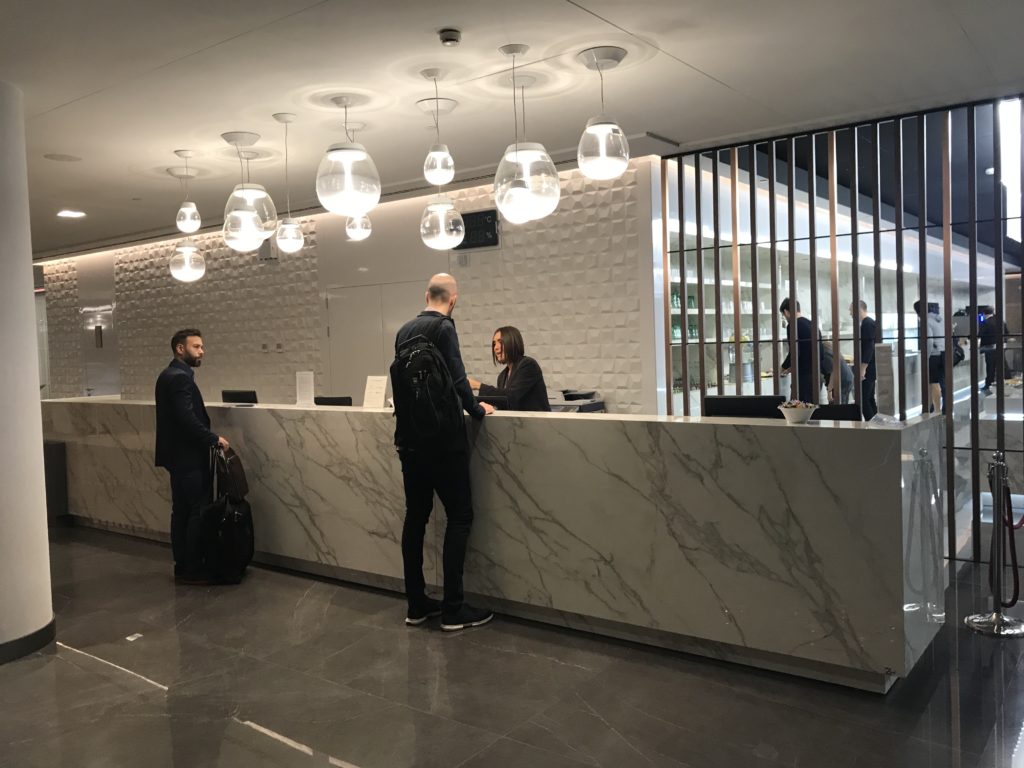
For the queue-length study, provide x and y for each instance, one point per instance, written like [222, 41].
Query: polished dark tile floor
[288, 671]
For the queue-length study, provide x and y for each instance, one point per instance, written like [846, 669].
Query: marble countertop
[533, 415]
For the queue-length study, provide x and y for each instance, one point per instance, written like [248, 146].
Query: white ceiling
[123, 83]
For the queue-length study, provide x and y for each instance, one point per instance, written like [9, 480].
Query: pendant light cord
[287, 183]
[437, 113]
[241, 166]
[522, 94]
[515, 111]
[347, 134]
[186, 178]
[601, 75]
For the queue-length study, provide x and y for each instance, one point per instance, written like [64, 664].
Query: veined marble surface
[810, 549]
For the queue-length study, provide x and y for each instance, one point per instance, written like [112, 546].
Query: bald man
[441, 465]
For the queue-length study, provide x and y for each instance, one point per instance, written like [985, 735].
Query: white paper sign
[376, 388]
[304, 388]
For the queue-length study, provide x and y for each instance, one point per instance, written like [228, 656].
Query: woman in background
[521, 382]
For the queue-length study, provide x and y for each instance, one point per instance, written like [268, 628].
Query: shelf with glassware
[713, 306]
[719, 298]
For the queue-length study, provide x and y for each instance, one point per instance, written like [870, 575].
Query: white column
[26, 608]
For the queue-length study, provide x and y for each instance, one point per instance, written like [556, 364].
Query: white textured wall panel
[64, 331]
[569, 282]
[241, 304]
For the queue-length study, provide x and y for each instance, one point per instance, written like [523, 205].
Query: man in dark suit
[868, 374]
[183, 443]
[806, 391]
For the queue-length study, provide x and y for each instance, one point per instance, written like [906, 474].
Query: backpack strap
[431, 334]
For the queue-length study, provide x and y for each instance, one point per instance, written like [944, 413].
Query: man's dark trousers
[191, 489]
[867, 399]
[424, 472]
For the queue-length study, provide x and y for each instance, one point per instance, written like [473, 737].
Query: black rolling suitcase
[227, 521]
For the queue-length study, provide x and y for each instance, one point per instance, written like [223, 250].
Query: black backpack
[425, 396]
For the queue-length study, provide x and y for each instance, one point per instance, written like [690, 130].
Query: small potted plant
[797, 411]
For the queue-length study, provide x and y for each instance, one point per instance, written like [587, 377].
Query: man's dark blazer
[183, 436]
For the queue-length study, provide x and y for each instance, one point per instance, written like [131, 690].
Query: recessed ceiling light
[363, 269]
[63, 158]
[990, 171]
[69, 214]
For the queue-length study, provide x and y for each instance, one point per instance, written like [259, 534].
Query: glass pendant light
[347, 182]
[526, 185]
[603, 151]
[358, 227]
[250, 216]
[439, 167]
[441, 227]
[188, 219]
[187, 263]
[289, 232]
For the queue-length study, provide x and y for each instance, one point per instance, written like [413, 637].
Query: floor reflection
[285, 670]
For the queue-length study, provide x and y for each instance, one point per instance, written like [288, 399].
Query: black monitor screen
[238, 395]
[744, 406]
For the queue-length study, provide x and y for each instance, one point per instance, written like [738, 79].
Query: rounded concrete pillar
[26, 607]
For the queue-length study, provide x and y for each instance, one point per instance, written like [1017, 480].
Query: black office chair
[331, 400]
[744, 406]
[238, 396]
[837, 412]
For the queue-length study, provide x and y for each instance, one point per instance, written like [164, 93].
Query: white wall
[578, 284]
[247, 309]
[63, 338]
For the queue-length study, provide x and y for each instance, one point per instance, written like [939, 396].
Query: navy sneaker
[426, 609]
[467, 616]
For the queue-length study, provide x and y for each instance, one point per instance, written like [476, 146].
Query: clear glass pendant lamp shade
[289, 236]
[250, 217]
[526, 185]
[358, 228]
[441, 226]
[188, 219]
[603, 151]
[347, 182]
[187, 263]
[439, 167]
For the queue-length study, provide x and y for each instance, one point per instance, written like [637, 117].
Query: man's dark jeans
[191, 490]
[867, 399]
[424, 472]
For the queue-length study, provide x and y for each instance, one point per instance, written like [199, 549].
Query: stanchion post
[995, 623]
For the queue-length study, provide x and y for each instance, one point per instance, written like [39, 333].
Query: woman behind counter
[521, 381]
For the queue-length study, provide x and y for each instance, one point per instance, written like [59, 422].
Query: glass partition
[914, 222]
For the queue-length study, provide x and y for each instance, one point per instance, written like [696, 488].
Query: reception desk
[814, 550]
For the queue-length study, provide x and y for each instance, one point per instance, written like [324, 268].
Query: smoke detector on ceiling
[449, 36]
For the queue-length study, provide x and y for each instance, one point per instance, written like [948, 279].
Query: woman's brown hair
[511, 344]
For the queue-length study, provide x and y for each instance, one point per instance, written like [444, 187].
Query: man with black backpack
[431, 392]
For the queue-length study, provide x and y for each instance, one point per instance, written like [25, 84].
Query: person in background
[987, 339]
[438, 465]
[183, 445]
[805, 382]
[845, 374]
[933, 346]
[867, 373]
[521, 381]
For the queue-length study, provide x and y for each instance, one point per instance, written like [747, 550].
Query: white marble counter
[804, 549]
